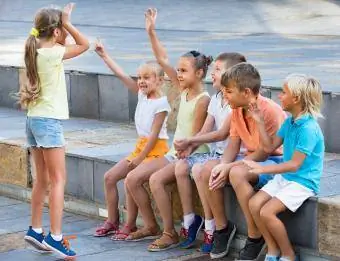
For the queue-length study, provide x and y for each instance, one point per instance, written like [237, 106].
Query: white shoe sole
[41, 248]
[224, 253]
[66, 257]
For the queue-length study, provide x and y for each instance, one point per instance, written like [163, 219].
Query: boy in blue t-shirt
[298, 177]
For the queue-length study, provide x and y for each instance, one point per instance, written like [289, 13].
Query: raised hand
[99, 48]
[253, 166]
[66, 15]
[255, 111]
[150, 19]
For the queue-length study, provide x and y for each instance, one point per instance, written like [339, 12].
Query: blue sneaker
[207, 243]
[61, 247]
[271, 258]
[36, 240]
[189, 235]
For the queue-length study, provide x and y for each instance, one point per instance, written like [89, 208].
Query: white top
[219, 113]
[145, 114]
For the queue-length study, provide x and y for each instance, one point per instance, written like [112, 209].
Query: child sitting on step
[150, 120]
[298, 177]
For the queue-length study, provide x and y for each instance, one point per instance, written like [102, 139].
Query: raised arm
[213, 136]
[82, 44]
[157, 48]
[115, 68]
[268, 143]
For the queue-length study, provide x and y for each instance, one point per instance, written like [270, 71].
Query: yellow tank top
[185, 120]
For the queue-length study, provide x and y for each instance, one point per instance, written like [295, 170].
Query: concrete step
[94, 146]
[103, 97]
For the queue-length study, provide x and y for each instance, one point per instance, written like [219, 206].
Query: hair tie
[34, 32]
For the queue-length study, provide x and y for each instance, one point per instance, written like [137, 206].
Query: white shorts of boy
[290, 193]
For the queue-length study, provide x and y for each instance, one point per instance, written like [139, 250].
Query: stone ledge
[14, 165]
[329, 226]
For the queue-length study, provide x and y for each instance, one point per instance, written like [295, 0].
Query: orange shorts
[159, 150]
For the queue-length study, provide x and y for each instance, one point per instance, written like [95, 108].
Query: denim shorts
[44, 132]
[202, 158]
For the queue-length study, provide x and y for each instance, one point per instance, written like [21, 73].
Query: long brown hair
[45, 22]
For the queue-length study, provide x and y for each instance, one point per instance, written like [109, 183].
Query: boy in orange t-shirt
[242, 85]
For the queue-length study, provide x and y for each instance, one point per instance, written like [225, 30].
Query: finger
[220, 185]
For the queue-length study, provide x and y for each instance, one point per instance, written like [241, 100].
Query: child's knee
[237, 176]
[266, 214]
[110, 178]
[131, 180]
[155, 183]
[182, 169]
[254, 205]
[196, 172]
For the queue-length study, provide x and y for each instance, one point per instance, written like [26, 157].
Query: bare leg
[216, 197]
[158, 181]
[111, 178]
[40, 186]
[132, 209]
[275, 226]
[55, 162]
[184, 186]
[241, 180]
[196, 172]
[134, 182]
[255, 205]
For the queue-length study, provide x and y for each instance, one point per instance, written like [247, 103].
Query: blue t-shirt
[304, 135]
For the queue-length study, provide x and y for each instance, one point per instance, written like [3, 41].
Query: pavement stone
[15, 218]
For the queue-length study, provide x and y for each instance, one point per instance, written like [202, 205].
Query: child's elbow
[268, 150]
[295, 166]
[86, 45]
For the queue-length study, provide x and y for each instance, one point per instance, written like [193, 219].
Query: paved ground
[15, 218]
[280, 37]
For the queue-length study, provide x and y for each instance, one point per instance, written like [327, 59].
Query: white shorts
[290, 193]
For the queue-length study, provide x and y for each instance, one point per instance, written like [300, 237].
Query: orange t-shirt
[246, 128]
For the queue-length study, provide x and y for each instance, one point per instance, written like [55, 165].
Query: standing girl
[45, 97]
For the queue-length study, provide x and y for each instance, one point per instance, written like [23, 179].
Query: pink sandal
[123, 233]
[106, 229]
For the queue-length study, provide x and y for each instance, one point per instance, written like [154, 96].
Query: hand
[254, 167]
[150, 19]
[66, 15]
[135, 162]
[182, 144]
[219, 176]
[99, 48]
[182, 154]
[255, 112]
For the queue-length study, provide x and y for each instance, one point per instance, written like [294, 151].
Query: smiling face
[236, 97]
[148, 81]
[287, 99]
[187, 75]
[216, 74]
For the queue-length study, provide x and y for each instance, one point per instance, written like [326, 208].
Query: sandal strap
[171, 235]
